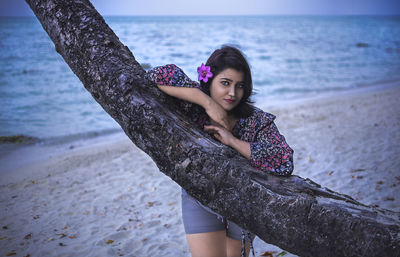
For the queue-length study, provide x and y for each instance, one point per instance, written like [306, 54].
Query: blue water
[290, 57]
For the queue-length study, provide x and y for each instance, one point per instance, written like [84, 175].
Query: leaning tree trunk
[295, 214]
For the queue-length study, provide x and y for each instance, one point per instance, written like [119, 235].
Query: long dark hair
[231, 57]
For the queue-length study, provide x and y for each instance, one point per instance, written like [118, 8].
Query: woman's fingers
[217, 114]
[214, 130]
[221, 122]
[219, 133]
[211, 128]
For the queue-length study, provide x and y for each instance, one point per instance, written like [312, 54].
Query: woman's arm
[173, 81]
[268, 152]
[226, 137]
[196, 96]
[190, 94]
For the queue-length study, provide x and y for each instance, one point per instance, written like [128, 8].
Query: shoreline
[347, 93]
[53, 147]
[104, 196]
[36, 153]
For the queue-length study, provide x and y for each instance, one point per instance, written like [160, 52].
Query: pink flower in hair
[204, 73]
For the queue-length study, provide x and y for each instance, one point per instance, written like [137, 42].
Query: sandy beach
[105, 197]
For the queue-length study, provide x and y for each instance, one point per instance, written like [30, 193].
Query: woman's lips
[229, 101]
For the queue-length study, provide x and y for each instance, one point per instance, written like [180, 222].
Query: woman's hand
[194, 95]
[222, 134]
[217, 114]
[225, 136]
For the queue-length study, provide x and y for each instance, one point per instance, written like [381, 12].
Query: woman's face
[227, 88]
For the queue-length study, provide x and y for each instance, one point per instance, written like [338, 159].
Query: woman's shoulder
[260, 117]
[249, 127]
[171, 75]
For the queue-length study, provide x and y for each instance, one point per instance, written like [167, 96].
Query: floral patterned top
[269, 150]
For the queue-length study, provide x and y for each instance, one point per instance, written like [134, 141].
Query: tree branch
[290, 212]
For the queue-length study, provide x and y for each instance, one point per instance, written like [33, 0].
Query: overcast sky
[225, 7]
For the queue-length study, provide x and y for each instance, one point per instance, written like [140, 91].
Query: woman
[221, 105]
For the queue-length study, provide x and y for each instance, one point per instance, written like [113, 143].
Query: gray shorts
[198, 218]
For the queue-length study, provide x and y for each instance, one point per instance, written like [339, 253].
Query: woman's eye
[240, 85]
[225, 83]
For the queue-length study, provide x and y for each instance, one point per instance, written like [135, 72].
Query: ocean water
[291, 57]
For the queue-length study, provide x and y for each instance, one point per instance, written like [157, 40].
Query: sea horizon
[291, 56]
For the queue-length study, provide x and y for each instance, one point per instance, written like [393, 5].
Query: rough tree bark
[290, 212]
